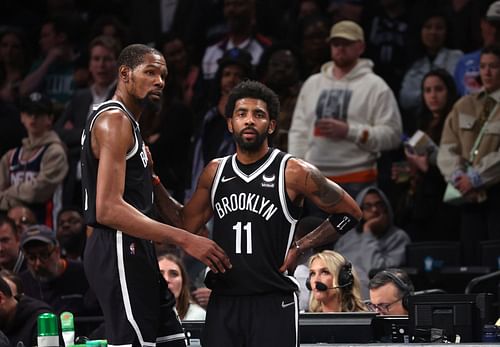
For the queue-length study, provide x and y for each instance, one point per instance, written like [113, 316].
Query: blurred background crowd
[403, 67]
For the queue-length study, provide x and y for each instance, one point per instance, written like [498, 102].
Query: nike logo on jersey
[224, 179]
[283, 305]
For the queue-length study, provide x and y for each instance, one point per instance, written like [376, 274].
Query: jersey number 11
[248, 230]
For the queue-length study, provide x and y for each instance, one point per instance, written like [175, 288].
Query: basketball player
[117, 190]
[255, 197]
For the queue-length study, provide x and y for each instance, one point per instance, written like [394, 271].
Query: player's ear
[229, 124]
[123, 72]
[272, 127]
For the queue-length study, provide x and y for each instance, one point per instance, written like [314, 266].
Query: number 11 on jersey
[248, 231]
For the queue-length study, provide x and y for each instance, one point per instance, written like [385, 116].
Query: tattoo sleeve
[324, 233]
[327, 191]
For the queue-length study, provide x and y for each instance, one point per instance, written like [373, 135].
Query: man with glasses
[59, 282]
[389, 291]
[376, 243]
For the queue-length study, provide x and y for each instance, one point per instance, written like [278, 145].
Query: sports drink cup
[48, 332]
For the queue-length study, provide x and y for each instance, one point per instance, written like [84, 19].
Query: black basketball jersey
[138, 187]
[254, 222]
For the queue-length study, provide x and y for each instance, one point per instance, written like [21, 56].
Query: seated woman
[175, 274]
[333, 283]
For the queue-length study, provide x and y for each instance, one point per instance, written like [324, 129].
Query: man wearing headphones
[389, 292]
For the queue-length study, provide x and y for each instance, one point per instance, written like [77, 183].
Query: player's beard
[250, 146]
[149, 104]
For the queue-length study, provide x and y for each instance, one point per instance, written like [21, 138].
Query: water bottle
[68, 328]
[489, 333]
[428, 263]
[48, 333]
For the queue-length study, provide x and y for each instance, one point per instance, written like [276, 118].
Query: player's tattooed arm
[307, 181]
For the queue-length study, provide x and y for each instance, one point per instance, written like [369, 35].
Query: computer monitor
[429, 256]
[490, 254]
[338, 327]
[440, 317]
[391, 329]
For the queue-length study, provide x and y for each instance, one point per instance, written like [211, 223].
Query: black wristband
[342, 222]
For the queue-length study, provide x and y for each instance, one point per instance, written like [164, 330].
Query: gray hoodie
[367, 251]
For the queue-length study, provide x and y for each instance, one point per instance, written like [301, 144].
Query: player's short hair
[254, 90]
[133, 55]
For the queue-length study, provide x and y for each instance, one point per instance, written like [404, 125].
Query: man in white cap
[345, 115]
[467, 69]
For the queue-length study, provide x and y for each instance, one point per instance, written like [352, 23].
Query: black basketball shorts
[138, 308]
[269, 320]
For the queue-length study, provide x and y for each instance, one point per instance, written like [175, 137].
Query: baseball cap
[36, 103]
[38, 232]
[348, 30]
[236, 56]
[493, 13]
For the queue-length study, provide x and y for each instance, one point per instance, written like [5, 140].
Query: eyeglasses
[42, 256]
[382, 308]
[379, 205]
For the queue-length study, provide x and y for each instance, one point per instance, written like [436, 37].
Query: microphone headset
[401, 285]
[345, 279]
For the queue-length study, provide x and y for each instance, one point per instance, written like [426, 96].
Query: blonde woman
[333, 284]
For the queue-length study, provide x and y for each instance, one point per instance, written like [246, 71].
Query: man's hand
[291, 261]
[201, 296]
[208, 252]
[332, 128]
[377, 225]
[54, 54]
[463, 184]
[421, 162]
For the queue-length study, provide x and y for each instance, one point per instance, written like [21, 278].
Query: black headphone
[401, 285]
[345, 279]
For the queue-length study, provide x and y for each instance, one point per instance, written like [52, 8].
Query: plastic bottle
[68, 328]
[428, 263]
[48, 333]
[489, 333]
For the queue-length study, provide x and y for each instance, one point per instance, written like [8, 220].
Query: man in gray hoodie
[345, 115]
[376, 242]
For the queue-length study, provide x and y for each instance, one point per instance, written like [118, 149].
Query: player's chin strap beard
[148, 104]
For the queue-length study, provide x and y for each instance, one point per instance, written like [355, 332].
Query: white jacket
[364, 101]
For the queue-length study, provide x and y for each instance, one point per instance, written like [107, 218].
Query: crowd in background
[58, 58]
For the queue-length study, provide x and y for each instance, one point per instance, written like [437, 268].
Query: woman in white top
[173, 271]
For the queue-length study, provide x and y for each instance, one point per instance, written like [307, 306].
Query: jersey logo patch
[227, 179]
[132, 248]
[268, 181]
[283, 305]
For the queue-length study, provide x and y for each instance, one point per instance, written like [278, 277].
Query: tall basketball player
[255, 197]
[118, 196]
